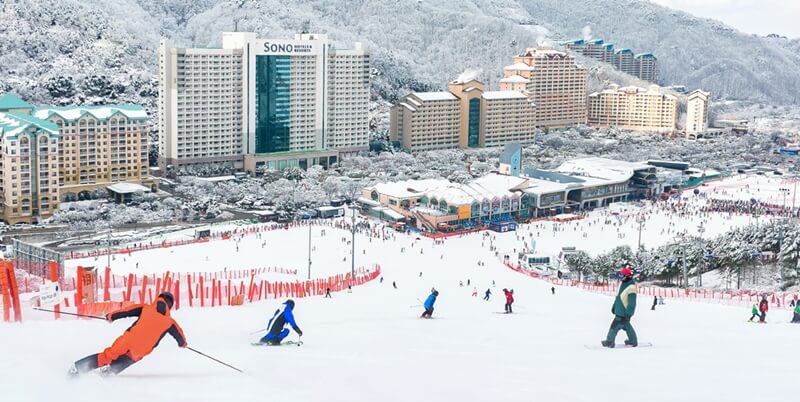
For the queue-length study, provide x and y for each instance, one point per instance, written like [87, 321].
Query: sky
[760, 17]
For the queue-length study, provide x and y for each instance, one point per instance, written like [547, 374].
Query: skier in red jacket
[763, 307]
[509, 299]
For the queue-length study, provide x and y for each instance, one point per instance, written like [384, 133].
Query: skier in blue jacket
[277, 323]
[429, 304]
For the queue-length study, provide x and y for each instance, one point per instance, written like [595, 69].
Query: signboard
[49, 294]
[464, 212]
[286, 47]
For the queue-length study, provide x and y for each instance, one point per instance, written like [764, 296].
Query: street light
[353, 242]
[785, 191]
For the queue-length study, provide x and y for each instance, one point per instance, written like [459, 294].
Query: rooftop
[519, 66]
[603, 168]
[435, 96]
[13, 124]
[101, 112]
[11, 101]
[408, 188]
[515, 79]
[127, 188]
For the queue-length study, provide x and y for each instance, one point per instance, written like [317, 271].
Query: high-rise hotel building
[553, 81]
[634, 108]
[267, 100]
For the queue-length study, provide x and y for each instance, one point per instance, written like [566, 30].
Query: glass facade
[273, 111]
[473, 133]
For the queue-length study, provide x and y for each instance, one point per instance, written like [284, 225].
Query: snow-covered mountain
[84, 51]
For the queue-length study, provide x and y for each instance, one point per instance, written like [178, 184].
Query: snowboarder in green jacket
[796, 318]
[623, 309]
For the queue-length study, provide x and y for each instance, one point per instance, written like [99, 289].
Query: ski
[297, 343]
[620, 346]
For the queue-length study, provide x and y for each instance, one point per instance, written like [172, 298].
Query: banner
[49, 294]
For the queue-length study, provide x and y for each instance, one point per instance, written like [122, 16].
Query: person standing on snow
[277, 323]
[655, 301]
[796, 317]
[509, 299]
[429, 302]
[623, 309]
[488, 293]
[763, 307]
[138, 341]
[753, 312]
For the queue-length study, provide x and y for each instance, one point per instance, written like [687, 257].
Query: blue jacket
[429, 301]
[281, 318]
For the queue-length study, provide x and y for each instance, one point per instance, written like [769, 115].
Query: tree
[579, 262]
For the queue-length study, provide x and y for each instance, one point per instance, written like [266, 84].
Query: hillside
[73, 51]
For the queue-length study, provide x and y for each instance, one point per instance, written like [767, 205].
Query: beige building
[555, 84]
[697, 112]
[99, 146]
[465, 116]
[633, 108]
[28, 162]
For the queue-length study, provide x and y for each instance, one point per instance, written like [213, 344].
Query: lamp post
[785, 191]
[353, 243]
[309, 250]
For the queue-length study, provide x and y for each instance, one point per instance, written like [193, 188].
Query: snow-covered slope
[370, 345]
[51, 49]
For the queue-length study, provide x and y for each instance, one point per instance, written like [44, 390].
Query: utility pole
[353, 242]
[108, 247]
[309, 250]
[700, 230]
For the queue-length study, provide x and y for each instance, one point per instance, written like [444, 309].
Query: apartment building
[594, 48]
[465, 116]
[633, 108]
[263, 97]
[697, 112]
[99, 146]
[553, 82]
[642, 65]
[28, 162]
[646, 67]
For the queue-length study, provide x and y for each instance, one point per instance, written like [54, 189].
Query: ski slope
[369, 345]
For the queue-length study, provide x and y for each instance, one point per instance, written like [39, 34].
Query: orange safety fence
[740, 297]
[10, 292]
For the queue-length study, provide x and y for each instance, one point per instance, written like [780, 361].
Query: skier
[509, 299]
[655, 301]
[429, 303]
[623, 309]
[488, 293]
[474, 291]
[553, 290]
[796, 317]
[327, 293]
[139, 339]
[763, 307]
[394, 284]
[276, 324]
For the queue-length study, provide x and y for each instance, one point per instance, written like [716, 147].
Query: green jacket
[625, 302]
[755, 310]
[797, 308]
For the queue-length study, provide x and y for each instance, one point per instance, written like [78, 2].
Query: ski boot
[105, 371]
[631, 344]
[73, 371]
[607, 344]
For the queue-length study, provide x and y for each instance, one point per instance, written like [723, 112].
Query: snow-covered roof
[392, 214]
[519, 66]
[609, 170]
[515, 79]
[539, 186]
[698, 93]
[13, 124]
[127, 188]
[407, 188]
[102, 112]
[435, 96]
[504, 95]
[217, 178]
[326, 208]
[407, 106]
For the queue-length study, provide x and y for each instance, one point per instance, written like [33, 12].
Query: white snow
[435, 96]
[369, 345]
[764, 189]
[504, 95]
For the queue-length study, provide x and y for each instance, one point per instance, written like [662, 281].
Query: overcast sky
[751, 16]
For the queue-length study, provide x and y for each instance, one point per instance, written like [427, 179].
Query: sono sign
[282, 48]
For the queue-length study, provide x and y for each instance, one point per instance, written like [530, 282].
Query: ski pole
[216, 360]
[260, 330]
[76, 315]
[415, 305]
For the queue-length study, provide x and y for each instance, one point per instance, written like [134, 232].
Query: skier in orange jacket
[138, 341]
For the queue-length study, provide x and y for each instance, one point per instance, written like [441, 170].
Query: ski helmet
[626, 272]
[167, 296]
[290, 303]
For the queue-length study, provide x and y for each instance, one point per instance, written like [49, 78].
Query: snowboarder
[394, 284]
[553, 290]
[509, 299]
[763, 307]
[474, 291]
[136, 342]
[429, 302]
[276, 324]
[655, 301]
[623, 309]
[754, 312]
[488, 293]
[327, 293]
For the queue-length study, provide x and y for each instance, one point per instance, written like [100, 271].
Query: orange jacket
[153, 323]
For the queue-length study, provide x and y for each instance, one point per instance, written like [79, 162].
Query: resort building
[633, 108]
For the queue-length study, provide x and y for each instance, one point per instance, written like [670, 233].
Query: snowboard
[620, 346]
[297, 343]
